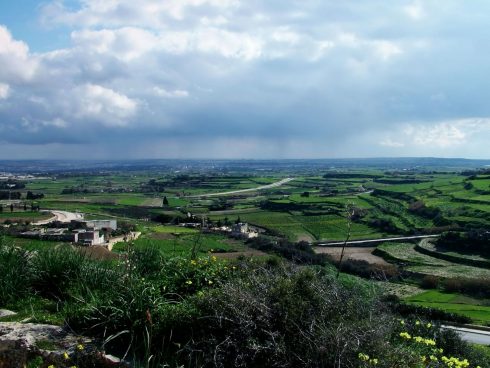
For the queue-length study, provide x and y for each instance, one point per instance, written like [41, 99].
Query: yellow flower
[80, 347]
[51, 366]
[402, 322]
[210, 282]
[429, 325]
[193, 262]
[405, 335]
[188, 282]
[66, 356]
[363, 357]
[417, 323]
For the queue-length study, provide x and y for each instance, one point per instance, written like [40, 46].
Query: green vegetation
[476, 309]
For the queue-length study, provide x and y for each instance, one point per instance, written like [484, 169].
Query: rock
[21, 342]
[6, 313]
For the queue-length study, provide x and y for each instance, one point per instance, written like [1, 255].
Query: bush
[430, 282]
[475, 287]
[15, 273]
[287, 317]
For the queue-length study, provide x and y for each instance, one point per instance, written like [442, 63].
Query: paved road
[370, 241]
[62, 216]
[471, 335]
[262, 187]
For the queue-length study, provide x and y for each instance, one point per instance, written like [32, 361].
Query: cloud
[391, 143]
[178, 93]
[415, 10]
[442, 134]
[4, 91]
[16, 63]
[274, 78]
[104, 105]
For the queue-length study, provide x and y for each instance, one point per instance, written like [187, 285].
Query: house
[242, 230]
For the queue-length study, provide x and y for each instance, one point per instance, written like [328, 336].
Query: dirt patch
[234, 255]
[152, 202]
[99, 253]
[353, 253]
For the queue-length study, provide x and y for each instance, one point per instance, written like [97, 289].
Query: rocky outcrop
[21, 343]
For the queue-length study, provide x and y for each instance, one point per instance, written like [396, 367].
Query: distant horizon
[248, 158]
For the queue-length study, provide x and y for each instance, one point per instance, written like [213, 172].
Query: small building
[89, 237]
[97, 224]
[243, 230]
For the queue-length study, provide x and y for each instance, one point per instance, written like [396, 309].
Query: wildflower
[193, 262]
[373, 361]
[363, 357]
[433, 358]
[51, 366]
[188, 282]
[214, 258]
[405, 335]
[417, 323]
[66, 356]
[80, 347]
[429, 325]
[402, 322]
[210, 282]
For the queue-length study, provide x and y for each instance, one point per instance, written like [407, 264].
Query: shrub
[430, 282]
[15, 273]
[287, 317]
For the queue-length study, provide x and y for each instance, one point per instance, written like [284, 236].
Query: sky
[112, 79]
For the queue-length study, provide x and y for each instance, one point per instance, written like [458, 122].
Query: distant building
[97, 224]
[242, 230]
[89, 237]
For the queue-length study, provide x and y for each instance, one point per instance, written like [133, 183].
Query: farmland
[311, 206]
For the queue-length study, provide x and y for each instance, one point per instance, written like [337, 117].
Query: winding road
[262, 187]
[471, 335]
[61, 216]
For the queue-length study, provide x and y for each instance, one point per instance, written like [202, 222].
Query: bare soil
[353, 253]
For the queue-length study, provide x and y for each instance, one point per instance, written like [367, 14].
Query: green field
[477, 309]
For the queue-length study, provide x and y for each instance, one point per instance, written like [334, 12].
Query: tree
[11, 207]
[165, 201]
[305, 194]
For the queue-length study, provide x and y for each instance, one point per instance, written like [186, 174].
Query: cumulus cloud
[16, 63]
[104, 105]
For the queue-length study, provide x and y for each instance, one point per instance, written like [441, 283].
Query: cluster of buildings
[238, 230]
[83, 232]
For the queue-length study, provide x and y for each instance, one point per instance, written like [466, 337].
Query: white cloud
[125, 43]
[104, 105]
[162, 92]
[415, 10]
[16, 64]
[391, 143]
[4, 91]
[443, 134]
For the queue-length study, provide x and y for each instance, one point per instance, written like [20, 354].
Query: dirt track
[354, 253]
[262, 187]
